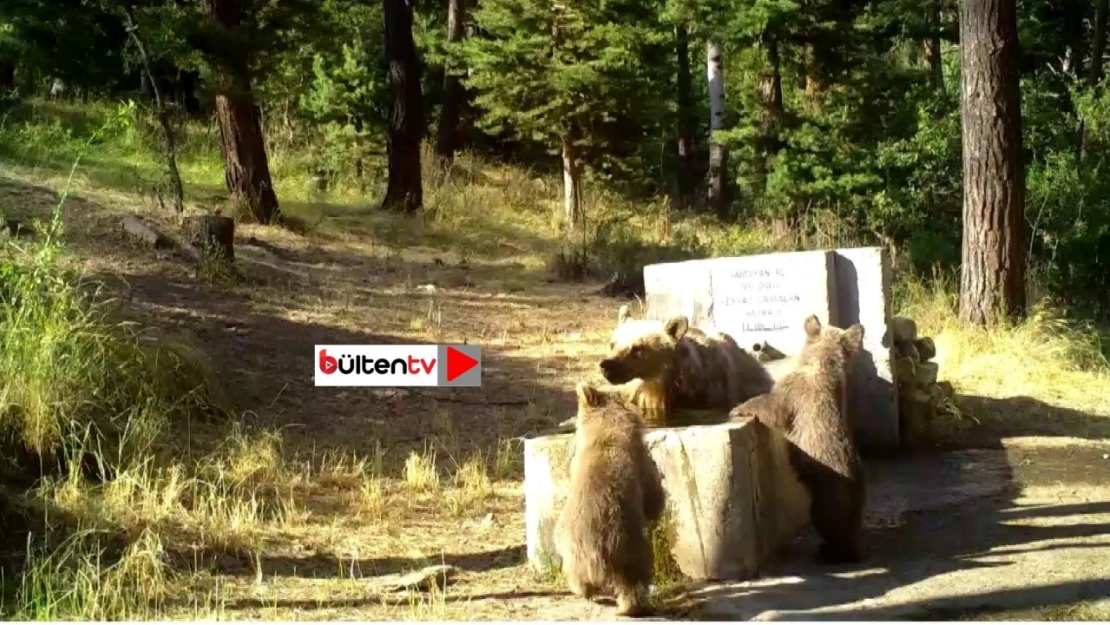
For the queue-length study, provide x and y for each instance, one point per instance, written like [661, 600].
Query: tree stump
[211, 235]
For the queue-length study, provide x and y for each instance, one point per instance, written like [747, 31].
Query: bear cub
[809, 406]
[680, 367]
[616, 493]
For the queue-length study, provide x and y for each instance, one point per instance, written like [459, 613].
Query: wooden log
[146, 233]
[213, 235]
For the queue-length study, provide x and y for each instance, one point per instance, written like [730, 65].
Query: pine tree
[992, 282]
[406, 114]
[246, 167]
[559, 74]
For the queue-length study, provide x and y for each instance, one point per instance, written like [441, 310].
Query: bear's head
[830, 345]
[606, 404]
[641, 348]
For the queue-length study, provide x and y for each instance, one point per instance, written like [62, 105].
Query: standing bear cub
[680, 367]
[616, 493]
[809, 406]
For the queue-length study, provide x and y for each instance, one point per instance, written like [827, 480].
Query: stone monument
[763, 300]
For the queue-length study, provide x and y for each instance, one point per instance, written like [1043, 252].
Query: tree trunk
[406, 115]
[718, 154]
[187, 83]
[1098, 44]
[770, 96]
[931, 46]
[685, 118]
[453, 91]
[992, 284]
[1076, 36]
[814, 84]
[7, 75]
[1094, 70]
[572, 187]
[212, 236]
[246, 168]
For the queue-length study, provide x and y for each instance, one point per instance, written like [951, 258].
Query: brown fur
[809, 406]
[681, 367]
[615, 494]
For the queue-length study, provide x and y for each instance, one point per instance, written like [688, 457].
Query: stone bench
[733, 500]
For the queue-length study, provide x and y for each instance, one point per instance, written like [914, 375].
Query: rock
[423, 579]
[907, 350]
[917, 413]
[927, 374]
[905, 370]
[903, 330]
[733, 499]
[925, 348]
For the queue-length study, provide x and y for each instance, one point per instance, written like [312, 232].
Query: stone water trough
[733, 500]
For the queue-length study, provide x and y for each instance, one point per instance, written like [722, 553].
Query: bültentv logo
[398, 365]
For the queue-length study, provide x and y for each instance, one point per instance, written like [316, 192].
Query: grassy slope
[279, 512]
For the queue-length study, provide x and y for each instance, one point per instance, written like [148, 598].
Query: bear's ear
[853, 339]
[623, 314]
[588, 395]
[676, 327]
[812, 327]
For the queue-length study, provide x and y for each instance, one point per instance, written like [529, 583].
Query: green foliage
[864, 136]
[70, 376]
[545, 73]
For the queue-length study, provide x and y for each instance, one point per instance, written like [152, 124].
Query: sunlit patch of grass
[420, 473]
[1045, 357]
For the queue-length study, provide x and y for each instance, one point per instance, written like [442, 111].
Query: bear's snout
[613, 371]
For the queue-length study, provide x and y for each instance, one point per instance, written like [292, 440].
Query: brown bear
[809, 406]
[616, 493]
[680, 367]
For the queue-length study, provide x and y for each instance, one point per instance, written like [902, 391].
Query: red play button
[458, 363]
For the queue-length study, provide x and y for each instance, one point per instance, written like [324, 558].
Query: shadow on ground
[1026, 416]
[947, 532]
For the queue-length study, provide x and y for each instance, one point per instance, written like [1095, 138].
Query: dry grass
[1044, 375]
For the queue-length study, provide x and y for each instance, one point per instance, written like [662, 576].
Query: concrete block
[863, 278]
[732, 497]
[682, 288]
